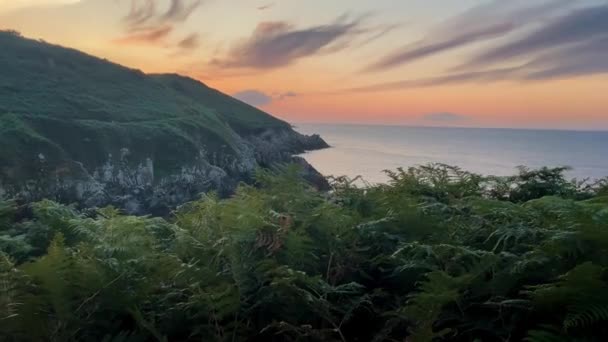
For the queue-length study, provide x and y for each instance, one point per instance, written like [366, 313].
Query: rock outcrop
[128, 180]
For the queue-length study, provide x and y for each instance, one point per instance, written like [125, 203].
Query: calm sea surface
[367, 150]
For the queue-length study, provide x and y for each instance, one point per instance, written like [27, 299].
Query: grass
[68, 105]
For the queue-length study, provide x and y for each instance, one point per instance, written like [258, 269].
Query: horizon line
[404, 125]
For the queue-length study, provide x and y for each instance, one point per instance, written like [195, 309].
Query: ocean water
[368, 150]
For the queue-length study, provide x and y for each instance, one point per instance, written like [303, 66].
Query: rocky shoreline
[133, 186]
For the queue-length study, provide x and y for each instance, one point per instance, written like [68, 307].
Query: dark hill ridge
[78, 128]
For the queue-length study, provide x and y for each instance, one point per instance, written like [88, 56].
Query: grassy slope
[71, 106]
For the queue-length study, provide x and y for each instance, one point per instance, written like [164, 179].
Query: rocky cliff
[75, 128]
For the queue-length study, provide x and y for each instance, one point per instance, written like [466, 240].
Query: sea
[367, 150]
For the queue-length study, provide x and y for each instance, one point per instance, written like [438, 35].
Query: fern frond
[11, 288]
[582, 316]
[425, 307]
[547, 334]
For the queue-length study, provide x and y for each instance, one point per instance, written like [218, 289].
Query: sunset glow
[477, 63]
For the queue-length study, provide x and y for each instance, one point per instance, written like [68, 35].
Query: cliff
[76, 128]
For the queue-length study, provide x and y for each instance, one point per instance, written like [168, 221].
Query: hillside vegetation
[76, 128]
[69, 104]
[438, 254]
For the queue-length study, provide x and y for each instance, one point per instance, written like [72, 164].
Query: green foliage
[438, 254]
[67, 106]
[438, 181]
[12, 283]
[602, 187]
[583, 291]
[425, 307]
[533, 184]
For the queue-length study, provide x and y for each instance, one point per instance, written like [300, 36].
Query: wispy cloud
[572, 45]
[190, 42]
[265, 7]
[276, 44]
[576, 27]
[495, 19]
[421, 50]
[145, 23]
[282, 96]
[145, 13]
[586, 58]
[151, 36]
[465, 77]
[140, 13]
[180, 10]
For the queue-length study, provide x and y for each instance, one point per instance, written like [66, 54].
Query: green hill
[78, 128]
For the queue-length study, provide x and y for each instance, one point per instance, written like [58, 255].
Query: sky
[478, 63]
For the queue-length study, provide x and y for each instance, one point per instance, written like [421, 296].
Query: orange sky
[477, 63]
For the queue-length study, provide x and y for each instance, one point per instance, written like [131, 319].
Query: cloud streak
[276, 44]
[151, 36]
[265, 7]
[180, 10]
[145, 24]
[465, 77]
[495, 19]
[581, 59]
[287, 94]
[572, 45]
[578, 26]
[141, 11]
[145, 13]
[427, 49]
[190, 42]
